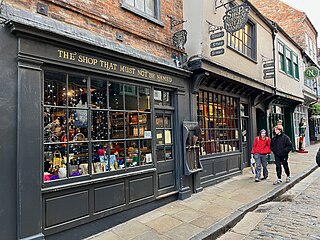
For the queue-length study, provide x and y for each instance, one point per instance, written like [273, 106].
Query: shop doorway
[277, 115]
[244, 111]
[261, 120]
[165, 152]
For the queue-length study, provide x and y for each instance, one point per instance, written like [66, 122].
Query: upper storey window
[146, 6]
[149, 9]
[244, 40]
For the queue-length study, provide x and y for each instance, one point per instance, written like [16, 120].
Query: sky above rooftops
[311, 8]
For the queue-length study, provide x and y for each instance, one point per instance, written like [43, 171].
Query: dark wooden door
[245, 136]
[166, 179]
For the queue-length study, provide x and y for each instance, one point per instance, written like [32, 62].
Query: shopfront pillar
[29, 203]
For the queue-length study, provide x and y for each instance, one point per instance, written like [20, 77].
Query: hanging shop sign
[268, 76]
[217, 44]
[217, 35]
[311, 73]
[268, 69]
[179, 39]
[236, 18]
[217, 52]
[269, 64]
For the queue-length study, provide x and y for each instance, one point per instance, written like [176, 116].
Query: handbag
[253, 165]
[57, 159]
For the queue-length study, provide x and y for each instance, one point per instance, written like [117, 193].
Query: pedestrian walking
[281, 145]
[260, 151]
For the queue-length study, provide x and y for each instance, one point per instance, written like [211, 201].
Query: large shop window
[93, 126]
[244, 40]
[219, 120]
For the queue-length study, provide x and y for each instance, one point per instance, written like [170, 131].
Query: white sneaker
[278, 181]
[288, 179]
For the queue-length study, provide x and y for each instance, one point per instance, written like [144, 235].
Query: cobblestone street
[294, 215]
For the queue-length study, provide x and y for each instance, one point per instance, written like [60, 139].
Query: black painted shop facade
[97, 135]
[94, 137]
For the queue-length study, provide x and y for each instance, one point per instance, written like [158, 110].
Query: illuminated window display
[218, 118]
[93, 126]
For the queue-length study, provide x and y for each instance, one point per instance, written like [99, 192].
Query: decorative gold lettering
[108, 65]
[163, 78]
[87, 60]
[67, 55]
[125, 69]
[142, 73]
[152, 75]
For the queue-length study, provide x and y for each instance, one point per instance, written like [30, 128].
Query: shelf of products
[133, 125]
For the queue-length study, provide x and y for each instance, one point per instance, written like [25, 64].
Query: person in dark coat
[281, 145]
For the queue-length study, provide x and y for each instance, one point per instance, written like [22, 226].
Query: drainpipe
[274, 31]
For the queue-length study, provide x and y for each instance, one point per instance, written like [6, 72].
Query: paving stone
[173, 208]
[188, 215]
[227, 203]
[150, 216]
[196, 204]
[130, 229]
[216, 211]
[183, 231]
[205, 221]
[206, 196]
[164, 224]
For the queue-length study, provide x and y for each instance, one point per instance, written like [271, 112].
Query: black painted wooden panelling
[220, 166]
[141, 188]
[109, 197]
[207, 169]
[65, 208]
[166, 179]
[234, 163]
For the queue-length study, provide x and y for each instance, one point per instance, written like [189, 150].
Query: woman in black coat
[281, 145]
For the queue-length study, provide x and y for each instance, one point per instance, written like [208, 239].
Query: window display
[93, 126]
[219, 121]
[164, 136]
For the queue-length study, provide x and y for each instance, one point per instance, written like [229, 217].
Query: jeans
[284, 161]
[261, 159]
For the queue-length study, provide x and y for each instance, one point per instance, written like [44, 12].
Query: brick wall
[106, 17]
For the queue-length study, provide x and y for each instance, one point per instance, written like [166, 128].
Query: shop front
[97, 133]
[283, 110]
[225, 110]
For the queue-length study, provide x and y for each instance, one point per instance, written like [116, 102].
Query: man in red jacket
[260, 151]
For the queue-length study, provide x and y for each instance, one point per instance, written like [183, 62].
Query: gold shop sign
[111, 66]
